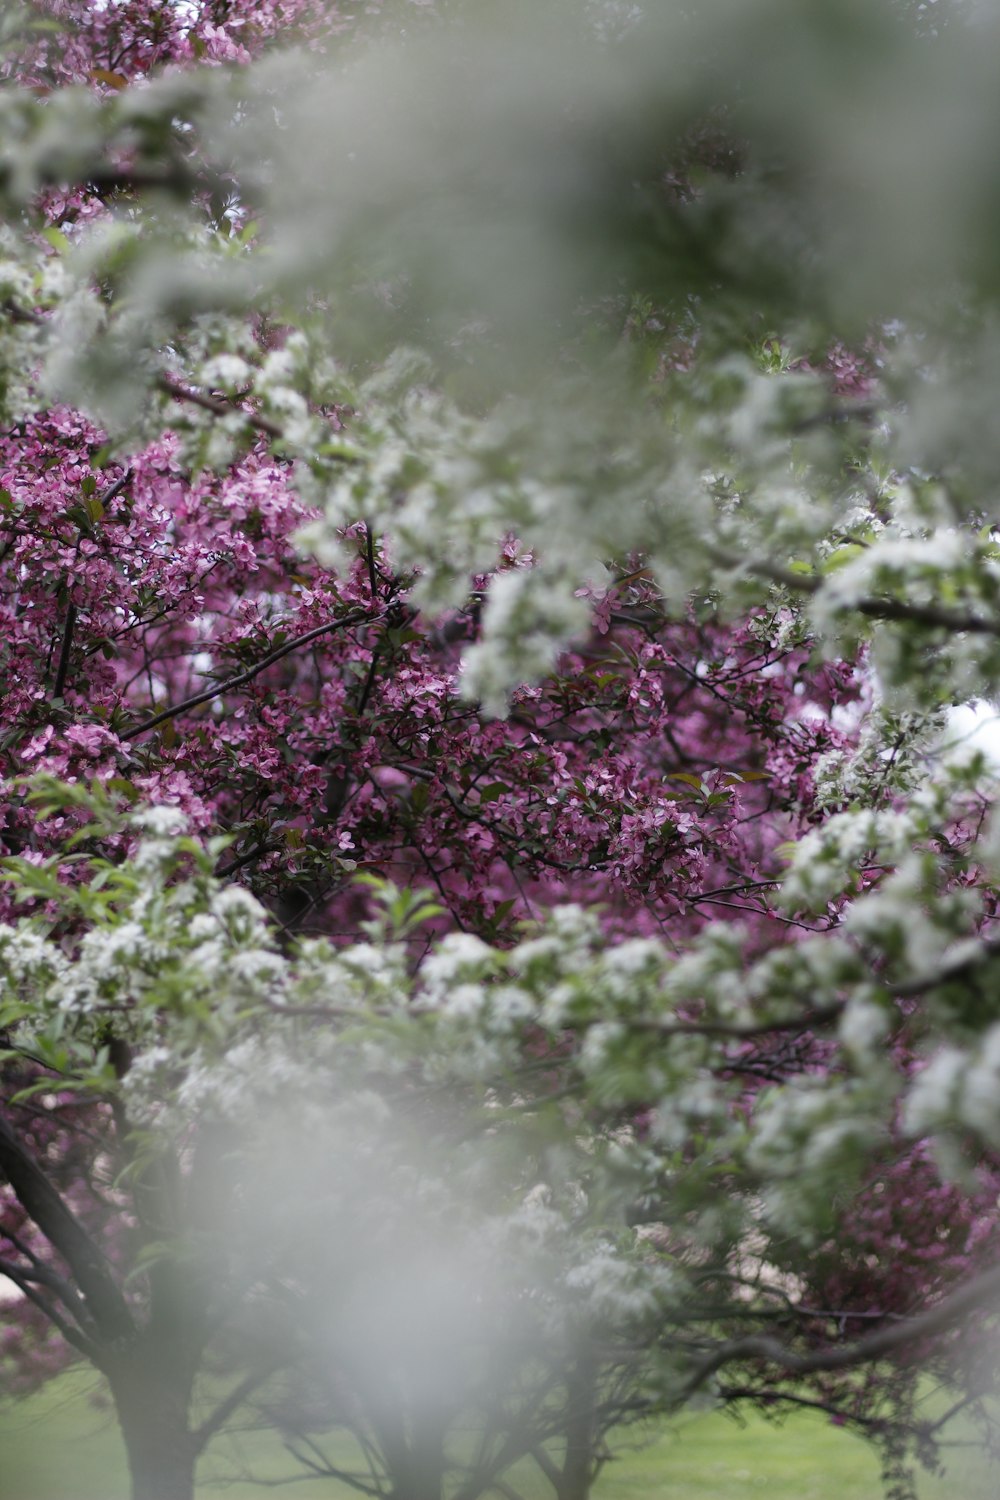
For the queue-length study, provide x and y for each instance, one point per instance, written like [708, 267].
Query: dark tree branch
[959, 967]
[172, 177]
[370, 559]
[114, 490]
[506, 1490]
[356, 618]
[789, 1398]
[898, 610]
[45, 1276]
[218, 406]
[886, 1341]
[810, 1020]
[231, 1403]
[548, 1468]
[26, 1283]
[42, 1202]
[321, 1465]
[259, 851]
[65, 646]
[10, 309]
[932, 615]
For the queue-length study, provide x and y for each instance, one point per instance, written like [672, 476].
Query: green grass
[58, 1446]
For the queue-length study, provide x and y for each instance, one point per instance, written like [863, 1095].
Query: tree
[784, 548]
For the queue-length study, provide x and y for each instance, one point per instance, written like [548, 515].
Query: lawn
[58, 1446]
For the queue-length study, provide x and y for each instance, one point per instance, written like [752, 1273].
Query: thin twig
[231, 1403]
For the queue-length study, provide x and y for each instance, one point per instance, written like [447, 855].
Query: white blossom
[161, 821]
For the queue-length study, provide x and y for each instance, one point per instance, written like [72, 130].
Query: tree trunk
[581, 1391]
[160, 1447]
[421, 1473]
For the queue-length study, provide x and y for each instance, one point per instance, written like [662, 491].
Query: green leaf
[493, 792]
[842, 556]
[124, 788]
[419, 796]
[56, 239]
[110, 79]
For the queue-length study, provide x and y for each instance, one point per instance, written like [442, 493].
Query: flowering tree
[632, 586]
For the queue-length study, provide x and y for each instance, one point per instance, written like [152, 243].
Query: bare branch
[231, 1403]
[66, 644]
[832, 1408]
[321, 1465]
[547, 1467]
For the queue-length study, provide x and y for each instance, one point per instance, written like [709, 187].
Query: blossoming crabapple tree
[243, 587]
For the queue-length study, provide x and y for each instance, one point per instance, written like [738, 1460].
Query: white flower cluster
[612, 1288]
[246, 1079]
[883, 919]
[810, 1136]
[863, 1028]
[30, 961]
[161, 821]
[924, 561]
[824, 863]
[959, 1090]
[530, 617]
[694, 1100]
[459, 958]
[892, 753]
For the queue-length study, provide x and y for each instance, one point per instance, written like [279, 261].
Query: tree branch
[822, 1015]
[42, 1202]
[231, 1403]
[218, 406]
[67, 637]
[24, 1281]
[356, 618]
[45, 1276]
[933, 615]
[548, 1468]
[321, 1465]
[65, 646]
[831, 1408]
[873, 1346]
